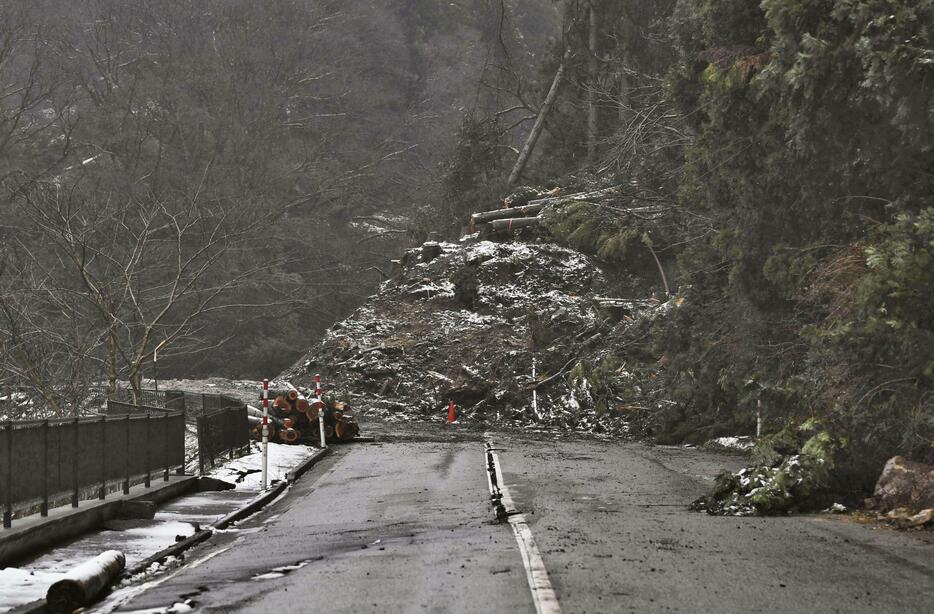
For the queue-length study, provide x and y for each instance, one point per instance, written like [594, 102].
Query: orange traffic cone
[452, 415]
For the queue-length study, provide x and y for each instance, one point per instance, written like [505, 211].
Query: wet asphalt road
[405, 525]
[612, 524]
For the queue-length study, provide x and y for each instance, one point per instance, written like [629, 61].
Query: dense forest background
[785, 150]
[213, 183]
[227, 178]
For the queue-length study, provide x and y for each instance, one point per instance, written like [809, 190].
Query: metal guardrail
[47, 461]
[223, 431]
[221, 421]
[44, 463]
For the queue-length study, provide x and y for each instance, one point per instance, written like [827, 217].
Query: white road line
[543, 594]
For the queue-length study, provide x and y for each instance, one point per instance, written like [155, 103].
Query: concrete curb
[306, 464]
[255, 504]
[247, 510]
[173, 550]
[264, 499]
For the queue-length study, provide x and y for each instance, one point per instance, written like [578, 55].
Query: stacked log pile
[293, 418]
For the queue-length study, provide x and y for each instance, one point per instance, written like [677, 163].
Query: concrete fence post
[148, 478]
[75, 458]
[8, 512]
[231, 430]
[126, 459]
[103, 492]
[165, 444]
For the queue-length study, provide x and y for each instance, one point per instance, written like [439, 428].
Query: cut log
[509, 226]
[289, 435]
[258, 420]
[345, 430]
[570, 198]
[84, 583]
[502, 214]
[283, 405]
[256, 427]
[257, 413]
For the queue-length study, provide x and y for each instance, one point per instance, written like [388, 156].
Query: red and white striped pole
[265, 432]
[320, 410]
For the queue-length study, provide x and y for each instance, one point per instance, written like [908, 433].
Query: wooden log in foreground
[82, 584]
[510, 225]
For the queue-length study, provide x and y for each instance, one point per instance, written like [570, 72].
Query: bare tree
[46, 345]
[148, 270]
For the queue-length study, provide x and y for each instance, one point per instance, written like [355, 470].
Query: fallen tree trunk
[501, 214]
[570, 198]
[529, 146]
[82, 584]
[510, 225]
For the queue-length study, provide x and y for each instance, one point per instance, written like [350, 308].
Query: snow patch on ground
[246, 471]
[21, 586]
[742, 443]
[139, 539]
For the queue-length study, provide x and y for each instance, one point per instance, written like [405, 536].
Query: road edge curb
[292, 476]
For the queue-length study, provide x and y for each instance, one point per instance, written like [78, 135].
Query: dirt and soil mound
[464, 322]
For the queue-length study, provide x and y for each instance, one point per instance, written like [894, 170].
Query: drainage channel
[543, 594]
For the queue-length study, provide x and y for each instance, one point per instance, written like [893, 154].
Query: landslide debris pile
[463, 322]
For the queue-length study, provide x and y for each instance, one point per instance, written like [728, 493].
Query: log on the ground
[82, 584]
[315, 406]
[289, 435]
[256, 427]
[570, 198]
[346, 428]
[509, 226]
[500, 214]
[258, 420]
[258, 413]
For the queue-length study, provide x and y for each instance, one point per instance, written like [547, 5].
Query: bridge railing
[44, 463]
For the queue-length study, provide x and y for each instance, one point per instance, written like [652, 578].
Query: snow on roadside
[20, 586]
[246, 472]
[140, 539]
[742, 443]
